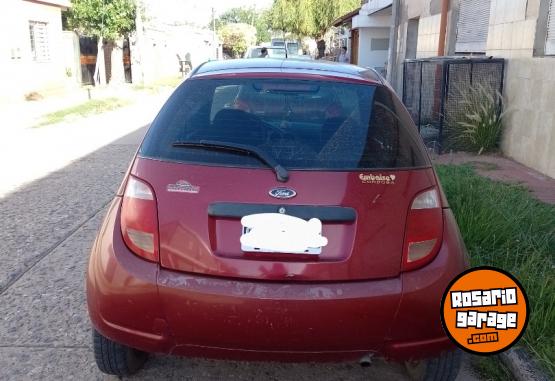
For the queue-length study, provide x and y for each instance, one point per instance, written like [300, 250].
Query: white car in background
[273, 52]
[293, 46]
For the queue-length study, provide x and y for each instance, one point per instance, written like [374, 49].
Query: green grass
[94, 106]
[491, 368]
[504, 226]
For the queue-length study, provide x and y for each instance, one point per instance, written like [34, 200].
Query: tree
[324, 12]
[107, 20]
[308, 18]
[247, 15]
[292, 16]
[237, 37]
[262, 25]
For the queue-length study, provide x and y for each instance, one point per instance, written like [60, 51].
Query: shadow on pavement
[42, 214]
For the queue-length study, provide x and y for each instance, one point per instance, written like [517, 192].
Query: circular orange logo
[484, 310]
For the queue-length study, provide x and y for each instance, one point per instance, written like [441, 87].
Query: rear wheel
[443, 368]
[114, 358]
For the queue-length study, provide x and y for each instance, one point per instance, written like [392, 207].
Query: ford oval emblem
[282, 193]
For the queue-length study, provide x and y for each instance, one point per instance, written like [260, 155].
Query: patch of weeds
[491, 368]
[476, 123]
[94, 106]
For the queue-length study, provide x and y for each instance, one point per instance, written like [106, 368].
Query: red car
[277, 210]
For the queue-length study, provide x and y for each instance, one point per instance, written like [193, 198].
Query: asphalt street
[46, 230]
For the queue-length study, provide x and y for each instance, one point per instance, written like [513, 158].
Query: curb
[522, 366]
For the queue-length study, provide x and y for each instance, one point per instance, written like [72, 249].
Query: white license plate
[280, 233]
[308, 250]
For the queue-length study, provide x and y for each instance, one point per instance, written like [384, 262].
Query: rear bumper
[156, 310]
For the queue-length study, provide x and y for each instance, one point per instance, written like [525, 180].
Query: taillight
[424, 230]
[139, 219]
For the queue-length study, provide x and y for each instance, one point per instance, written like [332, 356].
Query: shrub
[478, 124]
[236, 38]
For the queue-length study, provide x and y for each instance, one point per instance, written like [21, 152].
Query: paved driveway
[46, 231]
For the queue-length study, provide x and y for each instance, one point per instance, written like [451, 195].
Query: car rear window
[302, 124]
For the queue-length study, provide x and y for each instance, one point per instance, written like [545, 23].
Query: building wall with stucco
[23, 71]
[517, 33]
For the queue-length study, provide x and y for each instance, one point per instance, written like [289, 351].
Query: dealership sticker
[183, 186]
[484, 310]
[377, 179]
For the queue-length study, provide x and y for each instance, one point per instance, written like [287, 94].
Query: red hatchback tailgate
[369, 247]
[347, 152]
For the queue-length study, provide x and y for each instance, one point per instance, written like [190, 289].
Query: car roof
[296, 66]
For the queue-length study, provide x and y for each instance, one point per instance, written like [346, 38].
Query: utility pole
[137, 53]
[214, 33]
[391, 70]
[443, 27]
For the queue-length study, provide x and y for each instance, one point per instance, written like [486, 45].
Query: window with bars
[550, 38]
[472, 26]
[38, 33]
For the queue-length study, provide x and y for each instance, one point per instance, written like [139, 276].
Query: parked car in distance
[278, 42]
[277, 210]
[273, 52]
[292, 46]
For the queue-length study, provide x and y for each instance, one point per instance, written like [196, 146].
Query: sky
[197, 11]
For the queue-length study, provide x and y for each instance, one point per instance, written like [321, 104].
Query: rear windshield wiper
[281, 173]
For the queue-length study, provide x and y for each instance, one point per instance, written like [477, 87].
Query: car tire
[114, 358]
[443, 368]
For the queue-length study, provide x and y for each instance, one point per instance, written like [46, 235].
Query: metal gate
[433, 89]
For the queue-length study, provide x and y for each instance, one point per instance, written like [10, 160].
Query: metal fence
[433, 90]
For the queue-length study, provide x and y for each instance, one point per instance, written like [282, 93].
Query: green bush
[478, 124]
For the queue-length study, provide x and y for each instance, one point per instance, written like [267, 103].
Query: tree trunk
[99, 76]
[321, 44]
[117, 72]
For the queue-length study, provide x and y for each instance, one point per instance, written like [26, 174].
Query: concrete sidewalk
[30, 153]
[22, 114]
[19, 113]
[503, 169]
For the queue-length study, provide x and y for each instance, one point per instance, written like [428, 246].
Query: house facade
[168, 32]
[35, 54]
[520, 31]
[368, 30]
[373, 23]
